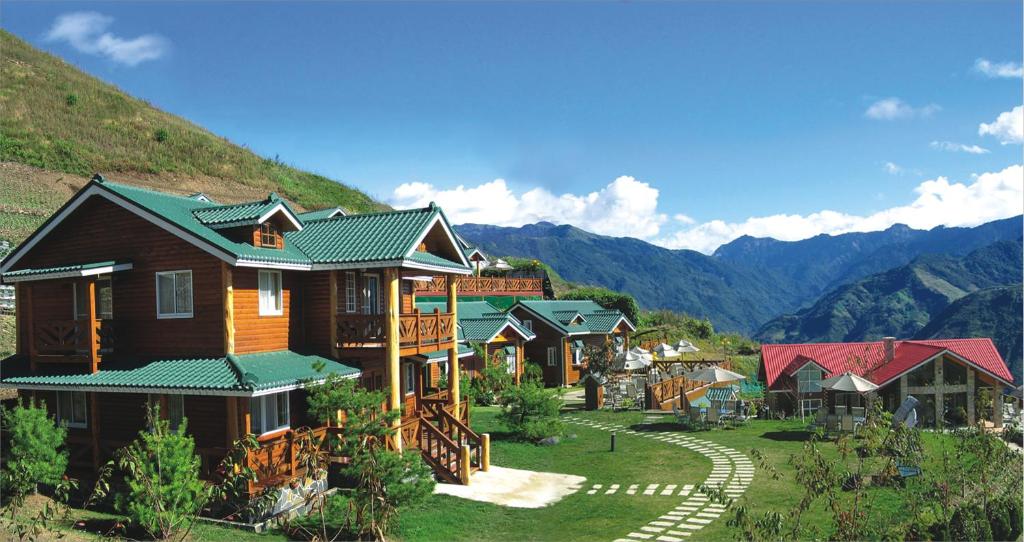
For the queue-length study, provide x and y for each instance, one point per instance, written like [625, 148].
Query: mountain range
[745, 283]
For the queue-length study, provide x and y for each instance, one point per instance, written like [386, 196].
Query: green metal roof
[320, 214]
[434, 260]
[720, 394]
[179, 211]
[60, 269]
[440, 355]
[239, 214]
[245, 373]
[558, 314]
[478, 320]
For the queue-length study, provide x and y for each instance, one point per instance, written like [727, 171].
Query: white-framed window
[174, 294]
[510, 362]
[350, 291]
[371, 294]
[552, 356]
[409, 378]
[577, 356]
[104, 300]
[175, 409]
[71, 409]
[269, 413]
[810, 406]
[808, 379]
[271, 297]
[528, 324]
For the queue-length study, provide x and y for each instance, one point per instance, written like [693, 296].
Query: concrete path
[732, 471]
[514, 487]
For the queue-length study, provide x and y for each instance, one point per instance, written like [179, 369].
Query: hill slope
[58, 119]
[992, 312]
[733, 299]
[898, 302]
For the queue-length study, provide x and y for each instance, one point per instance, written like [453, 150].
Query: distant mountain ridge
[898, 302]
[745, 283]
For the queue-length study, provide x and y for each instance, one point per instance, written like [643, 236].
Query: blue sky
[684, 124]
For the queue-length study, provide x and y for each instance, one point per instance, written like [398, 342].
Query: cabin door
[371, 294]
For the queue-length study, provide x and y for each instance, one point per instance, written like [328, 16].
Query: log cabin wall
[316, 311]
[261, 333]
[535, 351]
[100, 231]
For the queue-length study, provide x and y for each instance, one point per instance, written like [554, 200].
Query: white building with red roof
[956, 380]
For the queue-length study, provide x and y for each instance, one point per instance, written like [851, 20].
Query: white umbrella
[639, 351]
[665, 350]
[686, 346]
[628, 361]
[500, 265]
[714, 374]
[848, 382]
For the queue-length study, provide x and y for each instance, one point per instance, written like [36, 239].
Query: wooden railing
[670, 390]
[425, 332]
[483, 286]
[441, 452]
[72, 340]
[410, 432]
[462, 435]
[277, 459]
[418, 333]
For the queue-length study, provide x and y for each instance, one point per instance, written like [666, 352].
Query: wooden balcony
[72, 341]
[277, 460]
[418, 332]
[484, 286]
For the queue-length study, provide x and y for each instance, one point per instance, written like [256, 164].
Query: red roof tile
[867, 359]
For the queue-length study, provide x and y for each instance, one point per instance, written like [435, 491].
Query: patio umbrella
[665, 350]
[639, 351]
[848, 382]
[686, 346]
[500, 265]
[628, 361]
[714, 374]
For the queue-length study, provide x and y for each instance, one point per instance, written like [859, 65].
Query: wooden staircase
[447, 444]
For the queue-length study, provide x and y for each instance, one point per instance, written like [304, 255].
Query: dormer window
[270, 235]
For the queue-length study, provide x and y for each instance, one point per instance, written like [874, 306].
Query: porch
[418, 332]
[484, 286]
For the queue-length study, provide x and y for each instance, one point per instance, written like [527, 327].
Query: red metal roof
[867, 359]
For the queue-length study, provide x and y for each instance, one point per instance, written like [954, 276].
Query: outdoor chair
[846, 424]
[820, 417]
[858, 412]
[831, 424]
[840, 410]
[713, 414]
[730, 406]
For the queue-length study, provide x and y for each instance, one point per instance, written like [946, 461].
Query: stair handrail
[447, 458]
[460, 433]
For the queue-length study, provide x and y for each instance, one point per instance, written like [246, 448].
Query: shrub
[71, 99]
[1013, 433]
[35, 452]
[531, 412]
[161, 135]
[969, 523]
[163, 491]
[1004, 518]
[488, 386]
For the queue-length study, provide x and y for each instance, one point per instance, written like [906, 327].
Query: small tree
[492, 381]
[531, 412]
[161, 471]
[599, 358]
[386, 479]
[35, 451]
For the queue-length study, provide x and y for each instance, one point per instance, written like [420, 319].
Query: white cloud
[625, 207]
[958, 147]
[1007, 128]
[990, 196]
[998, 69]
[895, 108]
[685, 219]
[86, 32]
[892, 168]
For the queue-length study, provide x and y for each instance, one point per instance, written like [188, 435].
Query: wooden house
[947, 376]
[223, 314]
[563, 330]
[500, 335]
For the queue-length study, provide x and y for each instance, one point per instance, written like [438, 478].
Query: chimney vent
[890, 348]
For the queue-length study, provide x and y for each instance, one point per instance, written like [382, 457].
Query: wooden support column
[246, 417]
[94, 423]
[903, 388]
[90, 309]
[485, 452]
[232, 414]
[19, 314]
[997, 407]
[332, 288]
[454, 394]
[520, 362]
[228, 292]
[970, 396]
[464, 465]
[29, 323]
[391, 368]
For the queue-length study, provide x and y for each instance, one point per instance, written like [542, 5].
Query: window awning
[66, 271]
[577, 344]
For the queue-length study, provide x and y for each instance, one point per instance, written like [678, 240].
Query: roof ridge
[377, 213]
[105, 182]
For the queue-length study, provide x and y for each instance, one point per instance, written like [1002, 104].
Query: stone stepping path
[731, 470]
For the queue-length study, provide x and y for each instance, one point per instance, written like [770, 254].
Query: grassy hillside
[900, 301]
[992, 312]
[58, 119]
